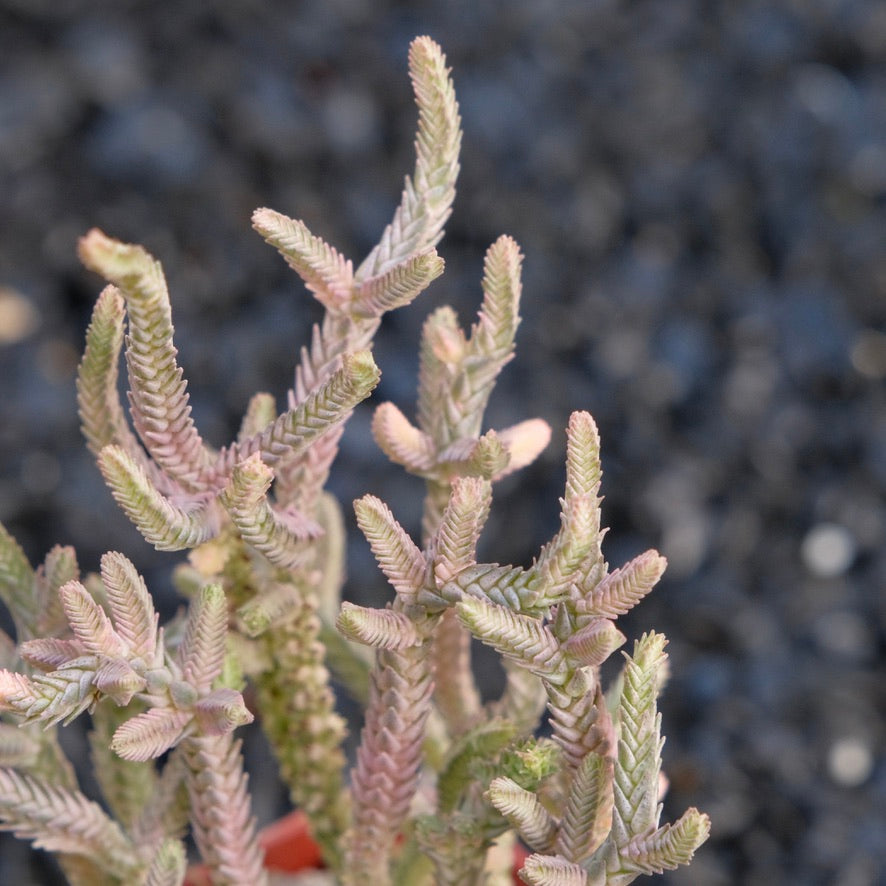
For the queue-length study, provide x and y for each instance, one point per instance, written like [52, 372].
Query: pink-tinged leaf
[164, 524]
[403, 564]
[148, 735]
[637, 806]
[324, 408]
[221, 712]
[116, 679]
[158, 395]
[132, 609]
[88, 621]
[583, 470]
[223, 824]
[50, 653]
[509, 586]
[524, 442]
[669, 846]
[524, 812]
[382, 628]
[260, 526]
[594, 643]
[64, 821]
[428, 194]
[326, 273]
[397, 286]
[493, 334]
[551, 870]
[574, 550]
[587, 818]
[522, 638]
[463, 520]
[621, 590]
[402, 442]
[202, 651]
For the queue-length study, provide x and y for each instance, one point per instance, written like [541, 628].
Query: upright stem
[224, 828]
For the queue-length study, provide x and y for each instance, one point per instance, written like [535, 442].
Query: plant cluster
[439, 776]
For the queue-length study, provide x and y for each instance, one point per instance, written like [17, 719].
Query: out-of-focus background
[699, 187]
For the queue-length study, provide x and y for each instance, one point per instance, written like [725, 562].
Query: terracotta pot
[289, 848]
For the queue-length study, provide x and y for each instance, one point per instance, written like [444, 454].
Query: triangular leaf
[669, 846]
[382, 628]
[91, 626]
[551, 870]
[587, 817]
[131, 605]
[148, 735]
[327, 274]
[397, 286]
[202, 651]
[427, 198]
[403, 564]
[64, 821]
[522, 638]
[162, 523]
[524, 812]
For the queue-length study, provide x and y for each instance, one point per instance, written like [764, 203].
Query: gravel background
[700, 192]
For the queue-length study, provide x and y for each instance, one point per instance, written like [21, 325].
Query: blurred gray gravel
[699, 187]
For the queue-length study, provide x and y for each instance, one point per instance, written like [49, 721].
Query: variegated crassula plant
[443, 785]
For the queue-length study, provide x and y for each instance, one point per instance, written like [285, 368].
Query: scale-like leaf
[509, 586]
[400, 559]
[669, 846]
[91, 626]
[397, 286]
[221, 712]
[622, 589]
[524, 812]
[428, 195]
[638, 764]
[202, 651]
[132, 609]
[587, 817]
[246, 500]
[522, 638]
[327, 274]
[551, 870]
[17, 585]
[168, 864]
[583, 469]
[384, 628]
[158, 398]
[64, 821]
[146, 736]
[325, 407]
[463, 521]
[402, 442]
[162, 523]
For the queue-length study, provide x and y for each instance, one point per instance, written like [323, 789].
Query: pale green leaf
[524, 812]
[164, 524]
[402, 562]
[326, 273]
[382, 628]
